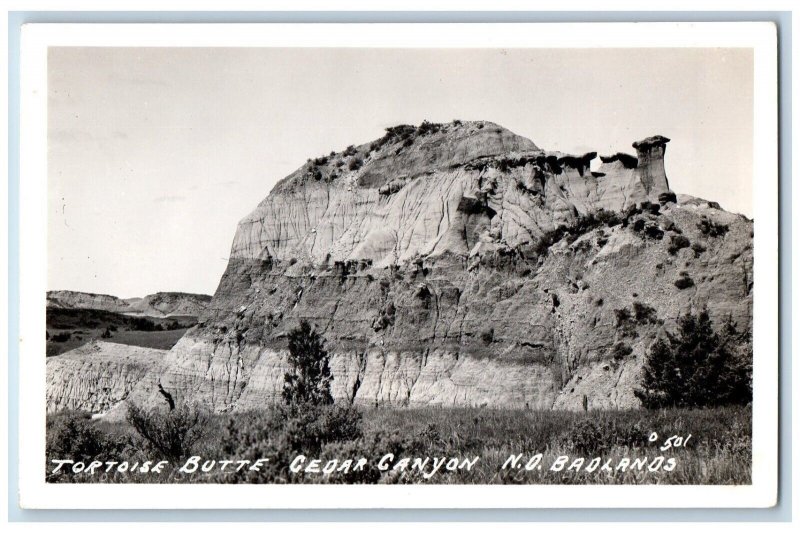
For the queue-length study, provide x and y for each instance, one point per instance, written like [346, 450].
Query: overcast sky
[156, 153]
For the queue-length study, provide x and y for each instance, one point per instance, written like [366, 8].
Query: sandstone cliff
[460, 264]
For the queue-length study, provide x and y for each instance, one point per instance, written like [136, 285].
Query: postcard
[398, 265]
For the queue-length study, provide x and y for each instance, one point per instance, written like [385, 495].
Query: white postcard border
[35, 493]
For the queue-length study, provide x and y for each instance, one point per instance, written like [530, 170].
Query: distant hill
[160, 304]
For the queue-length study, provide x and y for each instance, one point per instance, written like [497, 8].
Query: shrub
[310, 378]
[315, 173]
[580, 226]
[644, 314]
[684, 282]
[308, 428]
[284, 431]
[712, 229]
[171, 434]
[106, 334]
[143, 324]
[667, 197]
[625, 322]
[622, 316]
[620, 351]
[698, 249]
[653, 232]
[694, 368]
[350, 150]
[593, 437]
[355, 163]
[678, 242]
[653, 209]
[73, 435]
[428, 127]
[608, 218]
[487, 336]
[61, 337]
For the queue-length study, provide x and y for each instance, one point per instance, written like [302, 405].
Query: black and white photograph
[403, 265]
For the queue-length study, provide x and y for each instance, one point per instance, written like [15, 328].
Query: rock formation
[97, 376]
[160, 304]
[460, 264]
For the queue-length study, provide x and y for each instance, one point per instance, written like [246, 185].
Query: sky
[155, 154]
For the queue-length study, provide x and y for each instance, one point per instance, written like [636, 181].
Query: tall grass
[718, 452]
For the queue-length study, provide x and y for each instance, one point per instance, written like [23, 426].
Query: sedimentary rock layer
[461, 264]
[97, 376]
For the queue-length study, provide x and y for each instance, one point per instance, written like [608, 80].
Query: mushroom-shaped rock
[650, 153]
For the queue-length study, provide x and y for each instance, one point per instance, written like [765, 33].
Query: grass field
[68, 329]
[715, 446]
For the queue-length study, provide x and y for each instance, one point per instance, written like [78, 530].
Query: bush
[644, 314]
[73, 435]
[350, 150]
[712, 229]
[653, 209]
[621, 351]
[698, 249]
[678, 242]
[684, 282]
[307, 427]
[143, 324]
[593, 437]
[581, 226]
[608, 218]
[284, 431]
[653, 232]
[694, 368]
[622, 315]
[171, 434]
[61, 337]
[355, 163]
[667, 197]
[428, 127]
[309, 381]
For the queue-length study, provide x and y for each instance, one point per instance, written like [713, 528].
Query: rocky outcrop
[650, 155]
[86, 300]
[461, 264]
[169, 304]
[97, 376]
[160, 304]
[398, 197]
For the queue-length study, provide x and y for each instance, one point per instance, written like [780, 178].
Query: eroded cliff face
[97, 376]
[428, 260]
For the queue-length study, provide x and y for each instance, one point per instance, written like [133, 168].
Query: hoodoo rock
[650, 155]
[461, 264]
